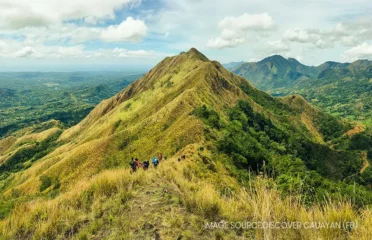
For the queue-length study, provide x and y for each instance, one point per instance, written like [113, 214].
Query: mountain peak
[293, 60]
[276, 59]
[193, 52]
[362, 62]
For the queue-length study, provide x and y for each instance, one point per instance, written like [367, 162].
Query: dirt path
[146, 207]
[149, 214]
[365, 162]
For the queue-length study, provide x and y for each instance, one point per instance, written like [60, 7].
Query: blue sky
[74, 35]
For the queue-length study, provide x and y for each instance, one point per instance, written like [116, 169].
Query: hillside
[247, 157]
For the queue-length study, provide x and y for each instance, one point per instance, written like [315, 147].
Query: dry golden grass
[11, 144]
[310, 126]
[73, 213]
[6, 143]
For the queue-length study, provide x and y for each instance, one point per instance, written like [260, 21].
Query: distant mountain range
[341, 88]
[232, 65]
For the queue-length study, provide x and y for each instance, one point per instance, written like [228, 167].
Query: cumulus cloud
[234, 30]
[39, 29]
[124, 53]
[220, 42]
[276, 47]
[25, 52]
[363, 51]
[316, 37]
[130, 30]
[83, 34]
[349, 33]
[24, 13]
[12, 49]
[73, 52]
[258, 22]
[296, 35]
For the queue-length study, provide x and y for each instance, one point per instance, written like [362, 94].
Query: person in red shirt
[137, 163]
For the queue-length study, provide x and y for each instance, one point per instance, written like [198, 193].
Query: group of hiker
[136, 164]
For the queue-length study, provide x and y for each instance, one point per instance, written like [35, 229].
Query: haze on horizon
[136, 34]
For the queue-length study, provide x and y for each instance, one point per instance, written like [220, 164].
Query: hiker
[133, 165]
[183, 157]
[160, 157]
[137, 163]
[155, 161]
[146, 164]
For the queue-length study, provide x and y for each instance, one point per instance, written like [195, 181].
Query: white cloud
[130, 30]
[25, 52]
[363, 51]
[234, 30]
[73, 52]
[220, 42]
[124, 53]
[296, 35]
[256, 22]
[83, 34]
[350, 33]
[12, 49]
[3, 46]
[276, 47]
[24, 13]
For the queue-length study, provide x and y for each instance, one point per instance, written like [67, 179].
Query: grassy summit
[249, 157]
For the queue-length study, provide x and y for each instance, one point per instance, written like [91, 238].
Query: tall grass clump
[63, 216]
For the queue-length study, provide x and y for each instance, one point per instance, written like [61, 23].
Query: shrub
[210, 117]
[46, 182]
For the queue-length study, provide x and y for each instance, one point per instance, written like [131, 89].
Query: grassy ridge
[117, 204]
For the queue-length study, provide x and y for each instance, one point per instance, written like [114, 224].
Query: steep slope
[275, 72]
[185, 106]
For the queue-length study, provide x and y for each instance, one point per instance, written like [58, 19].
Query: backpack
[131, 162]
